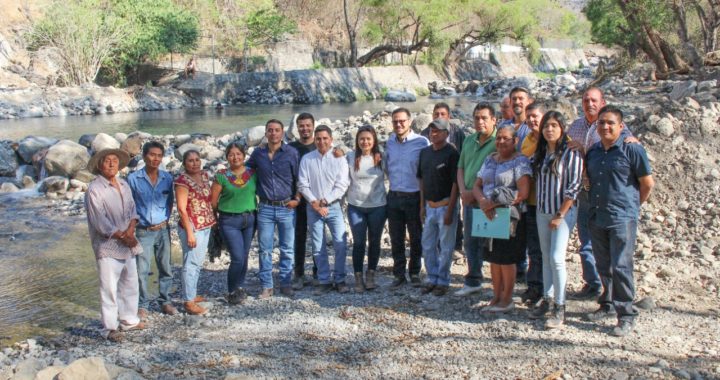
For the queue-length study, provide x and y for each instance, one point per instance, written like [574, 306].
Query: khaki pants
[118, 293]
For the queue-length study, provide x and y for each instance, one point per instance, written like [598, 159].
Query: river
[48, 280]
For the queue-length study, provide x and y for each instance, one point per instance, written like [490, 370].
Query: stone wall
[312, 86]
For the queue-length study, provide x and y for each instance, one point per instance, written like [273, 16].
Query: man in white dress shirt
[322, 181]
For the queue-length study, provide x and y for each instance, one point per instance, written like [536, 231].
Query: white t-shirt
[367, 184]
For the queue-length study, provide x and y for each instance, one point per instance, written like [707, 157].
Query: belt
[154, 227]
[404, 194]
[440, 203]
[282, 203]
[236, 213]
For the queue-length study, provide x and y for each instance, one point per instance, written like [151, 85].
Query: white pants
[118, 293]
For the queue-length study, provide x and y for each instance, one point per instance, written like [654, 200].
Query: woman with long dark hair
[192, 194]
[366, 205]
[233, 197]
[558, 173]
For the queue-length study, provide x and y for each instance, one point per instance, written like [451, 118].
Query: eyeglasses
[403, 121]
[503, 139]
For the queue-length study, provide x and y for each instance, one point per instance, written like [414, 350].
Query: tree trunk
[352, 35]
[379, 51]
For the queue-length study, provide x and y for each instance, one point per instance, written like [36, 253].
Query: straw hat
[94, 163]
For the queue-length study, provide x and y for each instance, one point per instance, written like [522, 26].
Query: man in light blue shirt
[323, 180]
[152, 191]
[403, 201]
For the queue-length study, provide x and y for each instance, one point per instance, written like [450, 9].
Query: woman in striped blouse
[558, 174]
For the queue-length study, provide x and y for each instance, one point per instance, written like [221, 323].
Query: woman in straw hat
[111, 220]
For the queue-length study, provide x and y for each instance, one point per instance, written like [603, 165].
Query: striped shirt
[553, 189]
[109, 211]
[586, 133]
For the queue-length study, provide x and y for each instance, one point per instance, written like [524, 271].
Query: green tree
[85, 34]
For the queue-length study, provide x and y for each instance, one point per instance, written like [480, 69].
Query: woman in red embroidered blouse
[192, 192]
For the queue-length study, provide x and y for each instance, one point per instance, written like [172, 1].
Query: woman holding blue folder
[504, 181]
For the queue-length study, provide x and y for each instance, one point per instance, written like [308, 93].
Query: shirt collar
[407, 138]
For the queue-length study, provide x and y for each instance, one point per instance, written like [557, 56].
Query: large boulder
[8, 160]
[104, 141]
[254, 136]
[683, 89]
[132, 145]
[399, 96]
[86, 140]
[66, 158]
[54, 184]
[8, 187]
[86, 368]
[184, 148]
[421, 122]
[30, 145]
[565, 80]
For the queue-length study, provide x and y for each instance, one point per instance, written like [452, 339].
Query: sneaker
[557, 317]
[623, 328]
[298, 282]
[415, 281]
[266, 293]
[287, 291]
[531, 296]
[440, 290]
[237, 297]
[398, 282]
[467, 290]
[427, 289]
[603, 312]
[321, 289]
[540, 311]
[586, 293]
[168, 309]
[342, 288]
[193, 308]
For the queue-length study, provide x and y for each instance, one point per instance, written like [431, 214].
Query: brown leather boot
[359, 286]
[194, 309]
[370, 280]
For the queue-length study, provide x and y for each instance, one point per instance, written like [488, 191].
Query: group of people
[547, 175]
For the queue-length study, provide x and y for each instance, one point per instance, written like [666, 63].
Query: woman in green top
[233, 197]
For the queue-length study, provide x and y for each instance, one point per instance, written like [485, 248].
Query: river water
[48, 280]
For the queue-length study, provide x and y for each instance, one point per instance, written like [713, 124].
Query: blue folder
[498, 228]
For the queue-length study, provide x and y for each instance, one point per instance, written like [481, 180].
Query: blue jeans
[534, 275]
[613, 247]
[554, 245]
[366, 224]
[473, 250]
[587, 259]
[435, 232]
[284, 218]
[154, 243]
[193, 259]
[237, 231]
[316, 225]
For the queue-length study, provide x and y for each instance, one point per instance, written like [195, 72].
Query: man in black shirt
[456, 137]
[437, 171]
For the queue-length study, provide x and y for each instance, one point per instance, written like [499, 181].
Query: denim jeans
[553, 244]
[613, 247]
[284, 218]
[473, 251]
[237, 231]
[336, 223]
[403, 211]
[534, 274]
[587, 259]
[301, 240]
[435, 232]
[193, 259]
[366, 224]
[154, 243]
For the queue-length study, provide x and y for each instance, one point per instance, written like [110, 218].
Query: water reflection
[204, 120]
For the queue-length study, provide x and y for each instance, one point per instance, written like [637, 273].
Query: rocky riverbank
[402, 334]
